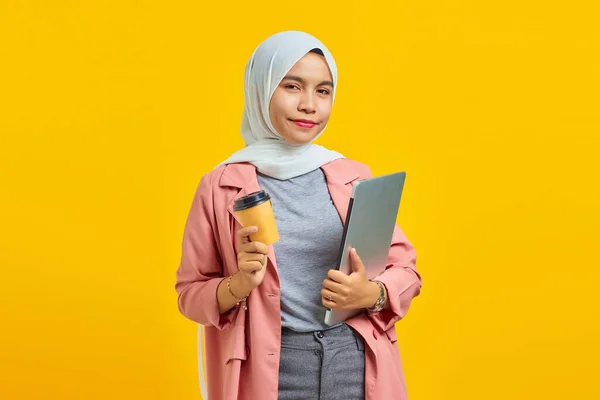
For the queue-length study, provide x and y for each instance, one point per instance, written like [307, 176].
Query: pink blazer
[242, 347]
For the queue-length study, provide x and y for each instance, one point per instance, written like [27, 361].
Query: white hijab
[265, 148]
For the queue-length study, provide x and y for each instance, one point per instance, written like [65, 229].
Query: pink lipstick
[304, 123]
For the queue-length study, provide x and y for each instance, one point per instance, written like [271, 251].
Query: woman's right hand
[252, 258]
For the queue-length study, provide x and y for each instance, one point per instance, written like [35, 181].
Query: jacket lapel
[339, 181]
[243, 177]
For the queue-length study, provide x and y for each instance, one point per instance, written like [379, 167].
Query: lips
[304, 123]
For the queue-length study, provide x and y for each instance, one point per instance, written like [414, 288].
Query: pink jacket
[242, 347]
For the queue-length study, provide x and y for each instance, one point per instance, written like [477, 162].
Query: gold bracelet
[233, 295]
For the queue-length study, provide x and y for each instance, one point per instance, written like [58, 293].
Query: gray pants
[322, 365]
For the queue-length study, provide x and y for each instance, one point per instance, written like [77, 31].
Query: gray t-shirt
[310, 234]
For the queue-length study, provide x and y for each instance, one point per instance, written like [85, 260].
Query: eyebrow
[298, 79]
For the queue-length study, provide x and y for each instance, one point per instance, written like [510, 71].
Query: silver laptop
[369, 228]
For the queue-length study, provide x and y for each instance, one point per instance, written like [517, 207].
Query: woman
[263, 306]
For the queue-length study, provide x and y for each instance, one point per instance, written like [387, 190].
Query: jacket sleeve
[200, 270]
[400, 278]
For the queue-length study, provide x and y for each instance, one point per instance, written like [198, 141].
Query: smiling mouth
[303, 123]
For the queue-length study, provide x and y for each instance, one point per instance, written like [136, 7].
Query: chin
[298, 136]
[299, 140]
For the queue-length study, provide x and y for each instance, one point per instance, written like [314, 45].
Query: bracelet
[233, 295]
[380, 301]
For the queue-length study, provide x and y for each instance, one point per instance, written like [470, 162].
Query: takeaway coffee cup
[255, 209]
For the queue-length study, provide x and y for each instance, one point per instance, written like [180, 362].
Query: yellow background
[111, 111]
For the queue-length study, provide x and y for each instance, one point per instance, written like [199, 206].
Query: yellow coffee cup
[255, 209]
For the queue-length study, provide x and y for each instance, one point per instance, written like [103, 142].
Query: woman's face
[301, 104]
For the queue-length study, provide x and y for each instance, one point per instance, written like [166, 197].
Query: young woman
[263, 306]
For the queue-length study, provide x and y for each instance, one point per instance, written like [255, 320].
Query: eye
[323, 91]
[290, 86]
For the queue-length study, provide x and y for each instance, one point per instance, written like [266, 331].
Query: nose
[307, 103]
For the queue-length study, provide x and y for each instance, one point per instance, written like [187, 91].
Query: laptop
[369, 228]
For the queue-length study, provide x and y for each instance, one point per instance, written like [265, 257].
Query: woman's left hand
[348, 292]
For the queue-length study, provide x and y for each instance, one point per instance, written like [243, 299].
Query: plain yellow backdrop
[111, 111]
